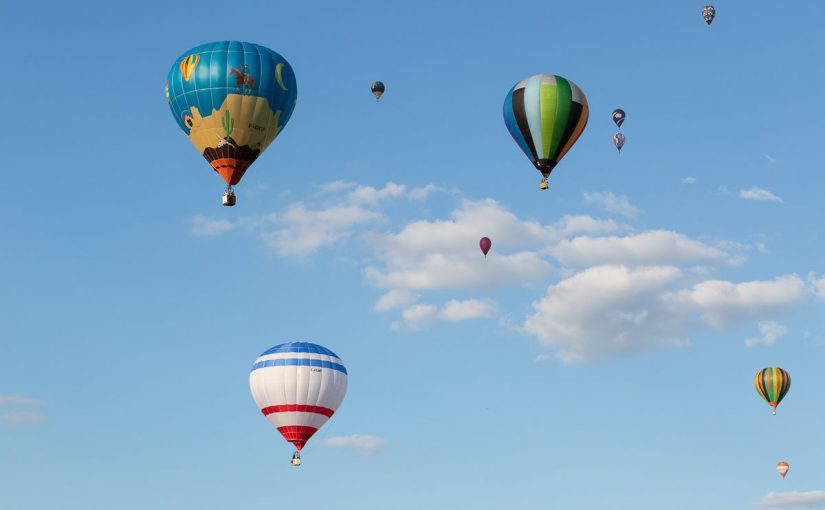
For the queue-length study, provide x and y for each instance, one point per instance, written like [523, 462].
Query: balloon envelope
[708, 12]
[782, 467]
[377, 89]
[618, 141]
[545, 114]
[485, 244]
[618, 117]
[298, 386]
[232, 99]
[772, 384]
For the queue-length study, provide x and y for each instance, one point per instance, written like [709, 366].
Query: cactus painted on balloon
[228, 124]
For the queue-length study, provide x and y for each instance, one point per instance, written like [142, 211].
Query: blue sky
[599, 357]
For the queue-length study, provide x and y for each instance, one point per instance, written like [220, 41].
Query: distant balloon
[231, 99]
[772, 384]
[618, 117]
[708, 12]
[377, 89]
[618, 141]
[485, 244]
[545, 115]
[783, 468]
[298, 386]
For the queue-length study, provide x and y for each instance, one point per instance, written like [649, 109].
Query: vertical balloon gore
[485, 244]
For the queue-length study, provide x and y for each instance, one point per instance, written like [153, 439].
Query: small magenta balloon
[485, 244]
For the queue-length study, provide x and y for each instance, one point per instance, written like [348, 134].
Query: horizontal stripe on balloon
[300, 363]
[300, 347]
[297, 408]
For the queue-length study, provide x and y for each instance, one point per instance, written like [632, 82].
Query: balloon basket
[228, 199]
[296, 459]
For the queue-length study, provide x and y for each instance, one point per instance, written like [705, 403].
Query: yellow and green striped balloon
[772, 384]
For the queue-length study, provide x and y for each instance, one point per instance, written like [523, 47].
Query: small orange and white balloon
[782, 467]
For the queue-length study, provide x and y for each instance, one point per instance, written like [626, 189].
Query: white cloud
[395, 299]
[425, 315]
[369, 445]
[581, 224]
[21, 418]
[541, 358]
[202, 226]
[450, 271]
[612, 203]
[650, 248]
[689, 180]
[616, 310]
[444, 253]
[794, 500]
[608, 310]
[755, 193]
[336, 186]
[724, 304]
[817, 286]
[370, 195]
[421, 193]
[771, 333]
[300, 231]
[456, 310]
[10, 415]
[303, 230]
[11, 399]
[616, 293]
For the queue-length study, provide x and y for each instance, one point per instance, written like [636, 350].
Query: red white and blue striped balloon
[298, 386]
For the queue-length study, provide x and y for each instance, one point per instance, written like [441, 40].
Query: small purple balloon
[485, 244]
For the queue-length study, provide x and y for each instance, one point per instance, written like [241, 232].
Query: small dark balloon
[618, 117]
[485, 244]
[708, 12]
[377, 89]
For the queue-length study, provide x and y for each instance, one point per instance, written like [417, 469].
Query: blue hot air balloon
[232, 99]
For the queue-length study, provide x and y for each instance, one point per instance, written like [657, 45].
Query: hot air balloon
[772, 384]
[377, 89]
[232, 99]
[618, 117]
[298, 386]
[485, 244]
[708, 12]
[545, 115]
[618, 141]
[782, 467]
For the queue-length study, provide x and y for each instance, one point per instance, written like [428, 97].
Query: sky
[601, 356]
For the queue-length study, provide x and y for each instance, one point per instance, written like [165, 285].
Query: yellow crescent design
[278, 77]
